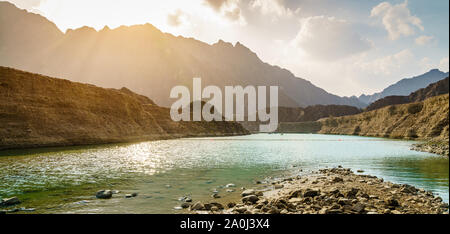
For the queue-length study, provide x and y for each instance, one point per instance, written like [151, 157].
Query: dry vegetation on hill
[40, 111]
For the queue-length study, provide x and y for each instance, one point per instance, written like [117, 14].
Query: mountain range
[406, 86]
[144, 59]
[432, 90]
[151, 62]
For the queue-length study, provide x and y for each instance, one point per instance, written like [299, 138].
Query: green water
[64, 180]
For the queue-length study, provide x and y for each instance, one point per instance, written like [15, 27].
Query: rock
[352, 193]
[185, 205]
[2, 212]
[218, 205]
[295, 200]
[250, 198]
[130, 195]
[344, 201]
[214, 208]
[197, 206]
[296, 193]
[392, 202]
[396, 212]
[230, 185]
[231, 204]
[335, 211]
[104, 194]
[372, 213]
[259, 194]
[248, 192]
[230, 190]
[178, 208]
[359, 208]
[10, 201]
[215, 195]
[360, 171]
[274, 210]
[337, 180]
[115, 191]
[408, 189]
[311, 193]
[278, 186]
[240, 209]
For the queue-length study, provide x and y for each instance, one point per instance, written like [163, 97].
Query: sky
[347, 47]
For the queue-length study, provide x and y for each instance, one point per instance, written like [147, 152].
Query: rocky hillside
[423, 120]
[141, 57]
[313, 113]
[40, 111]
[435, 89]
[406, 86]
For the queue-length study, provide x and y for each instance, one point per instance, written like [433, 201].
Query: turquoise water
[64, 180]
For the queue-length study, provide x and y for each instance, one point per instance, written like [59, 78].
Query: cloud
[27, 4]
[328, 38]
[175, 19]
[423, 40]
[389, 64]
[274, 8]
[227, 8]
[397, 19]
[216, 4]
[444, 64]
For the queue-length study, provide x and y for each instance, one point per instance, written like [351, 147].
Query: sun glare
[69, 14]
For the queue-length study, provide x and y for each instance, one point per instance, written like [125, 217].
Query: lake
[65, 180]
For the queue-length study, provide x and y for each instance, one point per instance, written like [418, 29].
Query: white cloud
[423, 40]
[176, 19]
[228, 8]
[328, 38]
[388, 64]
[397, 19]
[274, 8]
[444, 64]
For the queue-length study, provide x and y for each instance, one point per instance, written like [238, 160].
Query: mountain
[38, 111]
[406, 86]
[144, 59]
[435, 89]
[287, 116]
[421, 120]
[313, 113]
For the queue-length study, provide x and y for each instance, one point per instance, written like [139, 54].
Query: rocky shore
[435, 147]
[330, 191]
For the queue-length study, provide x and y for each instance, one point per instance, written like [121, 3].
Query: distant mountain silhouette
[406, 86]
[144, 59]
[435, 89]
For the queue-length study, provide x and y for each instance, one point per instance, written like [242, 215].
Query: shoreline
[330, 191]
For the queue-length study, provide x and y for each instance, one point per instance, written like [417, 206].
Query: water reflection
[161, 171]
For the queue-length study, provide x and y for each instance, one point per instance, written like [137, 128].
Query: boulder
[359, 208]
[10, 201]
[311, 193]
[250, 198]
[248, 192]
[104, 194]
[197, 206]
[337, 180]
[392, 202]
[231, 204]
